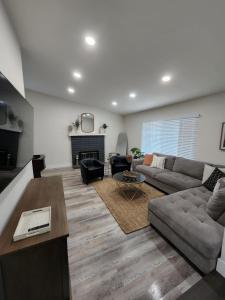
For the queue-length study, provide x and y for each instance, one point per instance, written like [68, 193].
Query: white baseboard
[49, 167]
[221, 267]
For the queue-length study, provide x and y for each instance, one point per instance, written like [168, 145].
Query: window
[176, 137]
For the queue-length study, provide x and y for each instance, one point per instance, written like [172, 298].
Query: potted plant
[136, 152]
[104, 127]
[76, 124]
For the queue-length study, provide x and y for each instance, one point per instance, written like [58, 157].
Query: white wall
[212, 110]
[10, 55]
[52, 116]
[11, 67]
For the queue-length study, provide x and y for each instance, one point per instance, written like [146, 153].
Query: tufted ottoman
[182, 219]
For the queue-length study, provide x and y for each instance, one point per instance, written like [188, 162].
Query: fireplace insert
[88, 154]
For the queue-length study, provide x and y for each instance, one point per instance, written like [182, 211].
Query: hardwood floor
[105, 263]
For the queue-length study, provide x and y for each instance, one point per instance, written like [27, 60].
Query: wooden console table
[37, 267]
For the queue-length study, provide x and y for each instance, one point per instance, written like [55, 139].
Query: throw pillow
[158, 162]
[210, 183]
[148, 159]
[216, 204]
[208, 171]
[219, 185]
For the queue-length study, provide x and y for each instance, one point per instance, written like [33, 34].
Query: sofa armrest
[136, 162]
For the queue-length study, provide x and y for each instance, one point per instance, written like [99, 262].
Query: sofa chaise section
[183, 220]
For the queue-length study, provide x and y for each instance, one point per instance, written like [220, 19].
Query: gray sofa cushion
[178, 180]
[148, 171]
[221, 220]
[216, 204]
[167, 189]
[185, 213]
[169, 160]
[136, 162]
[189, 167]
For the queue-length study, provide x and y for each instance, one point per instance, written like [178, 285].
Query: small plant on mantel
[104, 127]
[76, 124]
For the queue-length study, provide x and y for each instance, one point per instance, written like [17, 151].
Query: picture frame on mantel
[222, 139]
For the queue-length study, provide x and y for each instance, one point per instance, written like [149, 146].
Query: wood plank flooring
[105, 263]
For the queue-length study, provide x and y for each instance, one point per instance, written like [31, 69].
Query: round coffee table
[129, 187]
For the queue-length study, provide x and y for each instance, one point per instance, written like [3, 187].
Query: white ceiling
[137, 42]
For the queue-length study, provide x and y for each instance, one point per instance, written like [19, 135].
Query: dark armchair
[119, 164]
[91, 169]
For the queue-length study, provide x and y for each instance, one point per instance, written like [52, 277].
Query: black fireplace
[88, 154]
[87, 146]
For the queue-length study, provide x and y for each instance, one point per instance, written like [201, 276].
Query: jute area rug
[131, 215]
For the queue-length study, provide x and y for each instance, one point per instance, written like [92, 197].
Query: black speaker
[38, 163]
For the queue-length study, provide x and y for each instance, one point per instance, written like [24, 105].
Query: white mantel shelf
[87, 134]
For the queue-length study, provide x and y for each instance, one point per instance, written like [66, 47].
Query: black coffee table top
[120, 177]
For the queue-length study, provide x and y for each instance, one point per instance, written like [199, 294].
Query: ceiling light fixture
[90, 41]
[71, 90]
[114, 103]
[77, 75]
[132, 95]
[166, 78]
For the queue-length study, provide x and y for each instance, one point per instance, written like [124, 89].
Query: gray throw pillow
[221, 183]
[221, 220]
[216, 204]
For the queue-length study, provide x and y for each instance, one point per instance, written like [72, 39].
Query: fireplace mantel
[86, 134]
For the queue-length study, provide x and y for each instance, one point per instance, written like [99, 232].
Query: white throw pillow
[154, 162]
[158, 162]
[207, 172]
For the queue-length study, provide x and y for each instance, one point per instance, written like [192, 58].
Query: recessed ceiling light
[89, 40]
[71, 90]
[114, 103]
[77, 75]
[166, 78]
[132, 95]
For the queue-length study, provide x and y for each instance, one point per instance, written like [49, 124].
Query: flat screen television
[16, 132]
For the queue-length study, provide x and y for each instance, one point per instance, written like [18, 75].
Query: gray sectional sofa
[181, 216]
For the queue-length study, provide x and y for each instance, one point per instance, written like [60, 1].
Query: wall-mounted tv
[16, 132]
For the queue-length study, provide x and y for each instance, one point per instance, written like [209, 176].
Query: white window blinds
[176, 137]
